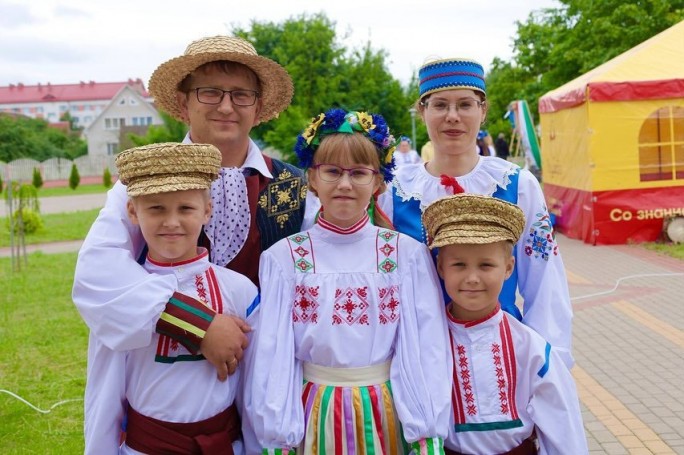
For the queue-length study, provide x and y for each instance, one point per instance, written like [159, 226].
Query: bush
[74, 177]
[37, 178]
[31, 219]
[107, 178]
[1, 184]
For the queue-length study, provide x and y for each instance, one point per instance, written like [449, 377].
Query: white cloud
[63, 41]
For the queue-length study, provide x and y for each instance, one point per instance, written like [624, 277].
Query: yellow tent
[613, 144]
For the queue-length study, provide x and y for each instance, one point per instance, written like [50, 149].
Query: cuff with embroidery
[185, 320]
[428, 446]
[278, 452]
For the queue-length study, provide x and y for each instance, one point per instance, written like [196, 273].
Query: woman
[354, 314]
[453, 105]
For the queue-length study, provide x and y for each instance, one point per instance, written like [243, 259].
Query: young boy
[167, 399]
[509, 385]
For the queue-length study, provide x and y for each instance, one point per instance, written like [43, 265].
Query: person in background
[453, 105]
[222, 89]
[352, 356]
[404, 154]
[510, 386]
[502, 150]
[427, 151]
[169, 399]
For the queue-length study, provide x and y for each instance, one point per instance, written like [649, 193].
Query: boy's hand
[224, 343]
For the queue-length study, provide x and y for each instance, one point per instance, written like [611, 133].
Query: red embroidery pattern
[389, 304]
[351, 306]
[305, 308]
[500, 378]
[301, 251]
[467, 386]
[201, 290]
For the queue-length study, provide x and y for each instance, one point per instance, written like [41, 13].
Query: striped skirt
[350, 411]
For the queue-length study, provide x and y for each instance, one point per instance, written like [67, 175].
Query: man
[221, 88]
[501, 146]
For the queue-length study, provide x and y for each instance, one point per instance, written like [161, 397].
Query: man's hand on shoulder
[224, 343]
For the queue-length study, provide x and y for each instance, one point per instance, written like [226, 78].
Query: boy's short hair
[472, 219]
[166, 167]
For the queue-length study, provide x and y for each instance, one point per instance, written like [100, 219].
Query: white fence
[57, 168]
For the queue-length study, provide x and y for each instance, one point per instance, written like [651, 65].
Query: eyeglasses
[464, 106]
[358, 175]
[209, 95]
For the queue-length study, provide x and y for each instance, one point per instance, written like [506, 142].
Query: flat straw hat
[166, 167]
[472, 219]
[276, 84]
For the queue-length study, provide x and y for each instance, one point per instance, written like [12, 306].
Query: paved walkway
[629, 344]
[62, 204]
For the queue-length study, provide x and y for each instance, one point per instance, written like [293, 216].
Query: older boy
[170, 398]
[509, 384]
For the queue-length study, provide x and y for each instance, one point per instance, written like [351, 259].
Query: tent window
[661, 145]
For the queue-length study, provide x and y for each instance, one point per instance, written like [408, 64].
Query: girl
[354, 313]
[453, 105]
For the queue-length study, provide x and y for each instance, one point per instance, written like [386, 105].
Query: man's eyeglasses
[209, 95]
[464, 106]
[358, 175]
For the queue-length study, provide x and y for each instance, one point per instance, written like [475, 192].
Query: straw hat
[166, 167]
[472, 219]
[276, 84]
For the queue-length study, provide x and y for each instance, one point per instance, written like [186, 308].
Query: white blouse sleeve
[105, 399]
[274, 390]
[119, 301]
[541, 275]
[421, 367]
[554, 407]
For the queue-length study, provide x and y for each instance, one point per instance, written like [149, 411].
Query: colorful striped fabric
[278, 452]
[351, 420]
[433, 446]
[185, 320]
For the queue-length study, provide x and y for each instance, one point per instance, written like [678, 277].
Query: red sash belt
[214, 435]
[528, 447]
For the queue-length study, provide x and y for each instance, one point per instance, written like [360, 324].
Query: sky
[68, 41]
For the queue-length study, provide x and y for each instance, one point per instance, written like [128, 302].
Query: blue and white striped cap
[449, 74]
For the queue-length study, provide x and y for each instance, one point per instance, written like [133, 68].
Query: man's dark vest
[277, 210]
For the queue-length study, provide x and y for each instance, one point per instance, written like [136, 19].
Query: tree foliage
[23, 137]
[171, 130]
[556, 45]
[74, 177]
[326, 74]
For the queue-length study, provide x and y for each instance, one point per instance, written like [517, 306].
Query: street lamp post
[412, 111]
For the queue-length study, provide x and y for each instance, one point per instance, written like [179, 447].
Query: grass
[66, 191]
[44, 344]
[58, 227]
[670, 249]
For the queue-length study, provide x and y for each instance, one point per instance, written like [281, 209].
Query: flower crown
[334, 121]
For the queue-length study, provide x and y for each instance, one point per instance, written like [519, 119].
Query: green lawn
[44, 344]
[66, 191]
[58, 227]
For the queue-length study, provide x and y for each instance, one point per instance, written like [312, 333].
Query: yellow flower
[366, 121]
[311, 130]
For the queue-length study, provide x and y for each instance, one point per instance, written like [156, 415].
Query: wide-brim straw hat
[472, 219]
[276, 85]
[167, 167]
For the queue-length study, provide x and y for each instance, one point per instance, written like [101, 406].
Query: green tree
[37, 178]
[325, 75]
[556, 45]
[74, 177]
[23, 137]
[107, 178]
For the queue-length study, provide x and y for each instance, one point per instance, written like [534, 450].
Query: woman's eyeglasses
[464, 106]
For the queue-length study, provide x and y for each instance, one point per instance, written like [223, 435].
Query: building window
[135, 121]
[112, 148]
[149, 120]
[122, 101]
[133, 102]
[661, 145]
[114, 123]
